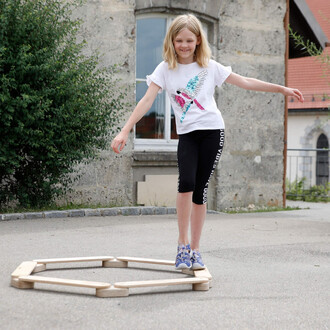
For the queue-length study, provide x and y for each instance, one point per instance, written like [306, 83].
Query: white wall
[303, 132]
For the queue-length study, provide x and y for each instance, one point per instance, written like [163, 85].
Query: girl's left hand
[287, 91]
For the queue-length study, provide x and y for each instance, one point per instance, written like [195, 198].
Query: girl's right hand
[293, 92]
[119, 142]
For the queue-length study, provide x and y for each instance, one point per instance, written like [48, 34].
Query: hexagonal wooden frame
[22, 277]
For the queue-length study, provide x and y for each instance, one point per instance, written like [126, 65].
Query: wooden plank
[62, 281]
[25, 268]
[148, 261]
[80, 259]
[150, 283]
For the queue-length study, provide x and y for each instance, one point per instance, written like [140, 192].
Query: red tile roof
[309, 74]
[321, 11]
[312, 78]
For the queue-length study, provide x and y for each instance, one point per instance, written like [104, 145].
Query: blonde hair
[192, 23]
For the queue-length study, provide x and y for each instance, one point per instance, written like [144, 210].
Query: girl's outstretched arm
[262, 86]
[140, 110]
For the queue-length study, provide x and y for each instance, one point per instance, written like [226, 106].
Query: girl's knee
[200, 196]
[186, 185]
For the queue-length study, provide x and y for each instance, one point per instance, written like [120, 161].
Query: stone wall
[246, 34]
[252, 41]
[109, 28]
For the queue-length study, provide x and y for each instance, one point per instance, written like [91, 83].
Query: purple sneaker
[182, 260]
[196, 260]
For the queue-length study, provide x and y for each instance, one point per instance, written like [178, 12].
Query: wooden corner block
[17, 283]
[203, 273]
[24, 269]
[115, 264]
[39, 268]
[112, 292]
[201, 286]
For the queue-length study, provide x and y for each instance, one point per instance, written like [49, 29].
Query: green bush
[57, 108]
[317, 193]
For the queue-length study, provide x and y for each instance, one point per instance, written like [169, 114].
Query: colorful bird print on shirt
[186, 97]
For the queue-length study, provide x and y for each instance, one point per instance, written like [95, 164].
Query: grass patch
[307, 198]
[54, 207]
[260, 210]
[297, 191]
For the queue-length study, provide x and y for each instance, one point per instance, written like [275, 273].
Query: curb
[114, 211]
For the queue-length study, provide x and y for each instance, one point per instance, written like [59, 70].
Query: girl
[189, 76]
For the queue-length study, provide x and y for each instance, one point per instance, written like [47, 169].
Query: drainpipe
[286, 27]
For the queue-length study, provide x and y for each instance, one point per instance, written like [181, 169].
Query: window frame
[165, 144]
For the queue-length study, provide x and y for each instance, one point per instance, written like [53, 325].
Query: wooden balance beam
[21, 277]
[62, 281]
[151, 283]
[121, 289]
[147, 261]
[65, 260]
[41, 263]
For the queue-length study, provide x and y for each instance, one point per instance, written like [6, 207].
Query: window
[156, 130]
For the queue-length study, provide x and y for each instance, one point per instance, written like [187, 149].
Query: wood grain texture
[79, 259]
[147, 261]
[62, 281]
[150, 283]
[25, 268]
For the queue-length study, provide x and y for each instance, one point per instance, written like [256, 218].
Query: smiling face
[185, 44]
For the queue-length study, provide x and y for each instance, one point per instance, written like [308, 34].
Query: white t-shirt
[191, 91]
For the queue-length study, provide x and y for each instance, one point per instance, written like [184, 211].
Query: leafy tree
[57, 107]
[308, 46]
[312, 50]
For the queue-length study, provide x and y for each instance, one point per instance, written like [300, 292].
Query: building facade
[308, 123]
[248, 35]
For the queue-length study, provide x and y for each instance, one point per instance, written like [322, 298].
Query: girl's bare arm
[140, 110]
[262, 86]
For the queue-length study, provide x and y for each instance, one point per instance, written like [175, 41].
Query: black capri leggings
[198, 155]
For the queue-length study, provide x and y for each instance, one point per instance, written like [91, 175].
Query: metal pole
[286, 27]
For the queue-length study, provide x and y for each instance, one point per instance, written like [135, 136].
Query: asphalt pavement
[270, 271]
